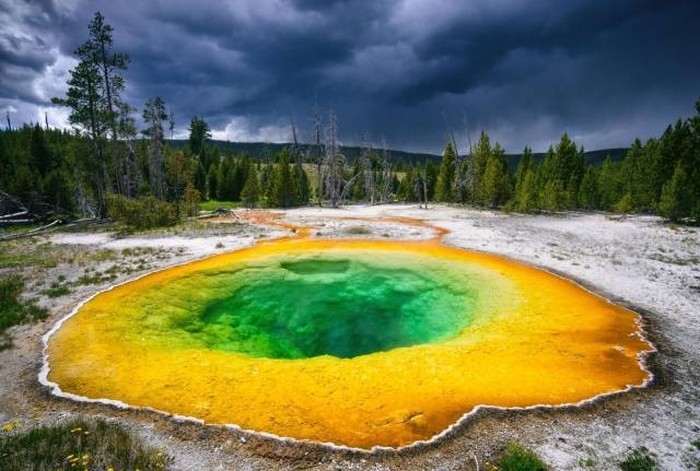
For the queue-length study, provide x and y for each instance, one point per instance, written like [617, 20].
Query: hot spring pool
[356, 343]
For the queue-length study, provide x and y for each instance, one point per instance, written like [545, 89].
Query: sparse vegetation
[517, 458]
[141, 213]
[639, 459]
[57, 290]
[79, 444]
[358, 230]
[14, 310]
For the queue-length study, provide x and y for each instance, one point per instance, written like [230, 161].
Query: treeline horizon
[105, 167]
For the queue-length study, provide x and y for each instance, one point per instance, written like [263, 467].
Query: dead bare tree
[171, 123]
[295, 148]
[420, 187]
[130, 174]
[385, 172]
[319, 153]
[154, 115]
[366, 169]
[334, 162]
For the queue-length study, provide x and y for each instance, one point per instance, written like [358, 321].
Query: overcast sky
[407, 71]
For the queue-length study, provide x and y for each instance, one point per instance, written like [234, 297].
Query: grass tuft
[79, 444]
[517, 458]
[358, 230]
[639, 459]
[14, 310]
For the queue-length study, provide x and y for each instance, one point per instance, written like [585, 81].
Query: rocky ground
[637, 261]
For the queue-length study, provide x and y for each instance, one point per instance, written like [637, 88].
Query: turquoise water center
[339, 305]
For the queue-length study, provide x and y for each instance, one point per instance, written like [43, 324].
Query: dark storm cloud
[407, 70]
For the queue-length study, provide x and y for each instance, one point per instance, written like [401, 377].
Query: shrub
[78, 444]
[517, 458]
[639, 459]
[145, 212]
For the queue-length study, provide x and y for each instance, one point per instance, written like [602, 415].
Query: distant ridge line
[259, 150]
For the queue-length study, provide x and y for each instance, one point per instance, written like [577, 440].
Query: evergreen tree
[477, 168]
[496, 184]
[251, 190]
[199, 176]
[527, 199]
[178, 175]
[93, 98]
[609, 184]
[521, 171]
[431, 176]
[225, 179]
[640, 169]
[191, 198]
[212, 181]
[41, 157]
[199, 134]
[588, 193]
[444, 190]
[301, 183]
[560, 175]
[675, 202]
[283, 191]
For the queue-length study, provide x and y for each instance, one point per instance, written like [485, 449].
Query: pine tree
[588, 193]
[674, 203]
[477, 168]
[199, 134]
[191, 198]
[431, 175]
[283, 193]
[609, 184]
[640, 169]
[212, 181]
[527, 199]
[444, 189]
[521, 171]
[301, 183]
[251, 190]
[496, 187]
[93, 98]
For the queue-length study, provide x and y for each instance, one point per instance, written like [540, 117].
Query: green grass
[79, 444]
[14, 310]
[212, 205]
[95, 279]
[57, 290]
[639, 459]
[358, 230]
[517, 458]
[16, 260]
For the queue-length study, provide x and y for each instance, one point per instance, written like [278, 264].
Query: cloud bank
[406, 71]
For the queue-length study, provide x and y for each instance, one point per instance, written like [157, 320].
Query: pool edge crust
[448, 424]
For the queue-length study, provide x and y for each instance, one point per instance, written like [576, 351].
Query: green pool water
[341, 306]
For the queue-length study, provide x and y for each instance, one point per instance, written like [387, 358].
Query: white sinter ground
[636, 260]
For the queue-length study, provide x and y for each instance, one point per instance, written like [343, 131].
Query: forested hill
[259, 150]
